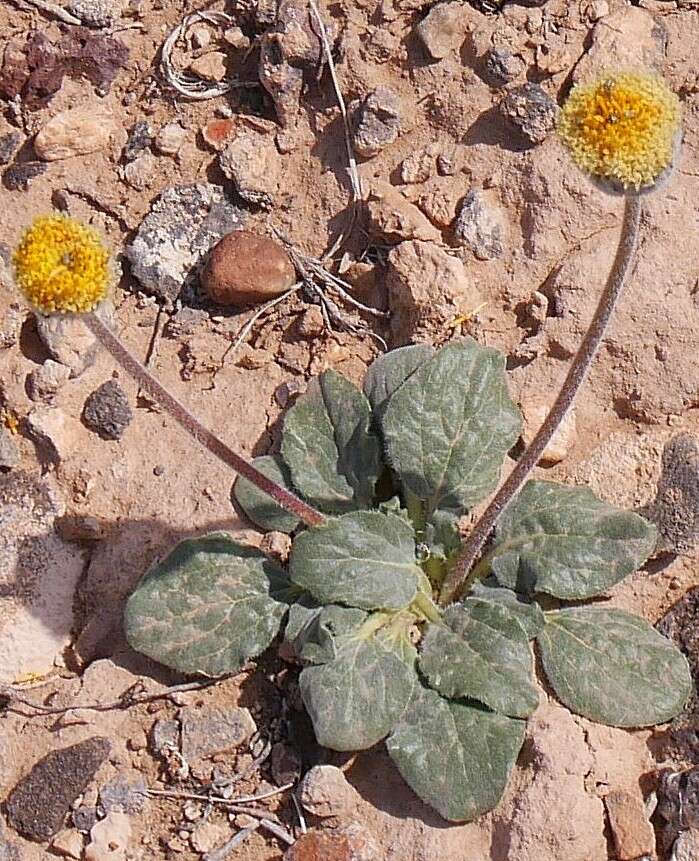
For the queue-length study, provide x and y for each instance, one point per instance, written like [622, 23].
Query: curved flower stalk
[63, 266]
[623, 130]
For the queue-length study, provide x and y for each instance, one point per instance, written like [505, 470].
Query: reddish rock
[217, 132]
[246, 268]
[632, 832]
[351, 843]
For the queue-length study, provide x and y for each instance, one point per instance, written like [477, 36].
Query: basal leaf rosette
[62, 265]
[622, 129]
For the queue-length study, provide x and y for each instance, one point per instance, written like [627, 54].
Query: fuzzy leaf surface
[480, 652]
[363, 559]
[449, 426]
[612, 667]
[260, 508]
[456, 757]
[389, 371]
[356, 699]
[208, 607]
[326, 632]
[530, 616]
[333, 457]
[565, 542]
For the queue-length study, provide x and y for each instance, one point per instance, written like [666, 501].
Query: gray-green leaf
[363, 559]
[333, 457]
[530, 616]
[482, 653]
[208, 607]
[449, 426]
[456, 757]
[326, 632]
[565, 542]
[612, 667]
[355, 700]
[388, 373]
[260, 508]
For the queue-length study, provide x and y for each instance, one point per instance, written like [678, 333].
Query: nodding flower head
[62, 265]
[622, 129]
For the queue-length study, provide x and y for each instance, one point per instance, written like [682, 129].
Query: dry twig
[50, 9]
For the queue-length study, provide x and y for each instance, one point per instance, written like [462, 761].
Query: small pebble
[211, 67]
[531, 110]
[140, 139]
[246, 268]
[375, 122]
[170, 139]
[43, 383]
[502, 67]
[107, 411]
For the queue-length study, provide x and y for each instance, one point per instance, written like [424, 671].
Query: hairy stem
[458, 576]
[283, 497]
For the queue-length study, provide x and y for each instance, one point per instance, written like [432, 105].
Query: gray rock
[97, 13]
[9, 453]
[209, 731]
[502, 67]
[165, 736]
[140, 138]
[8, 851]
[38, 804]
[8, 144]
[107, 411]
[123, 795]
[531, 111]
[17, 177]
[173, 240]
[285, 764]
[675, 509]
[44, 382]
[375, 122]
[479, 228]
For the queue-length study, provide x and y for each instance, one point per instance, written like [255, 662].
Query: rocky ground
[470, 220]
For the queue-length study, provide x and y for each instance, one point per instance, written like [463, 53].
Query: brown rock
[351, 843]
[394, 218]
[633, 834]
[207, 732]
[211, 67]
[443, 30]
[246, 268]
[75, 132]
[427, 290]
[325, 791]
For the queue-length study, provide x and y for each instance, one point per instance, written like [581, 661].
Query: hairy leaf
[566, 542]
[388, 373]
[481, 652]
[207, 607]
[612, 667]
[356, 699]
[363, 559]
[326, 632]
[333, 457]
[530, 616]
[456, 757]
[260, 508]
[449, 426]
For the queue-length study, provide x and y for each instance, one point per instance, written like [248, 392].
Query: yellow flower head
[62, 265]
[622, 128]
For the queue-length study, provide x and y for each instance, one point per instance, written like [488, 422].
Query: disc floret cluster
[62, 265]
[622, 128]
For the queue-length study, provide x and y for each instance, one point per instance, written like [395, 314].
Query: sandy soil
[122, 504]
